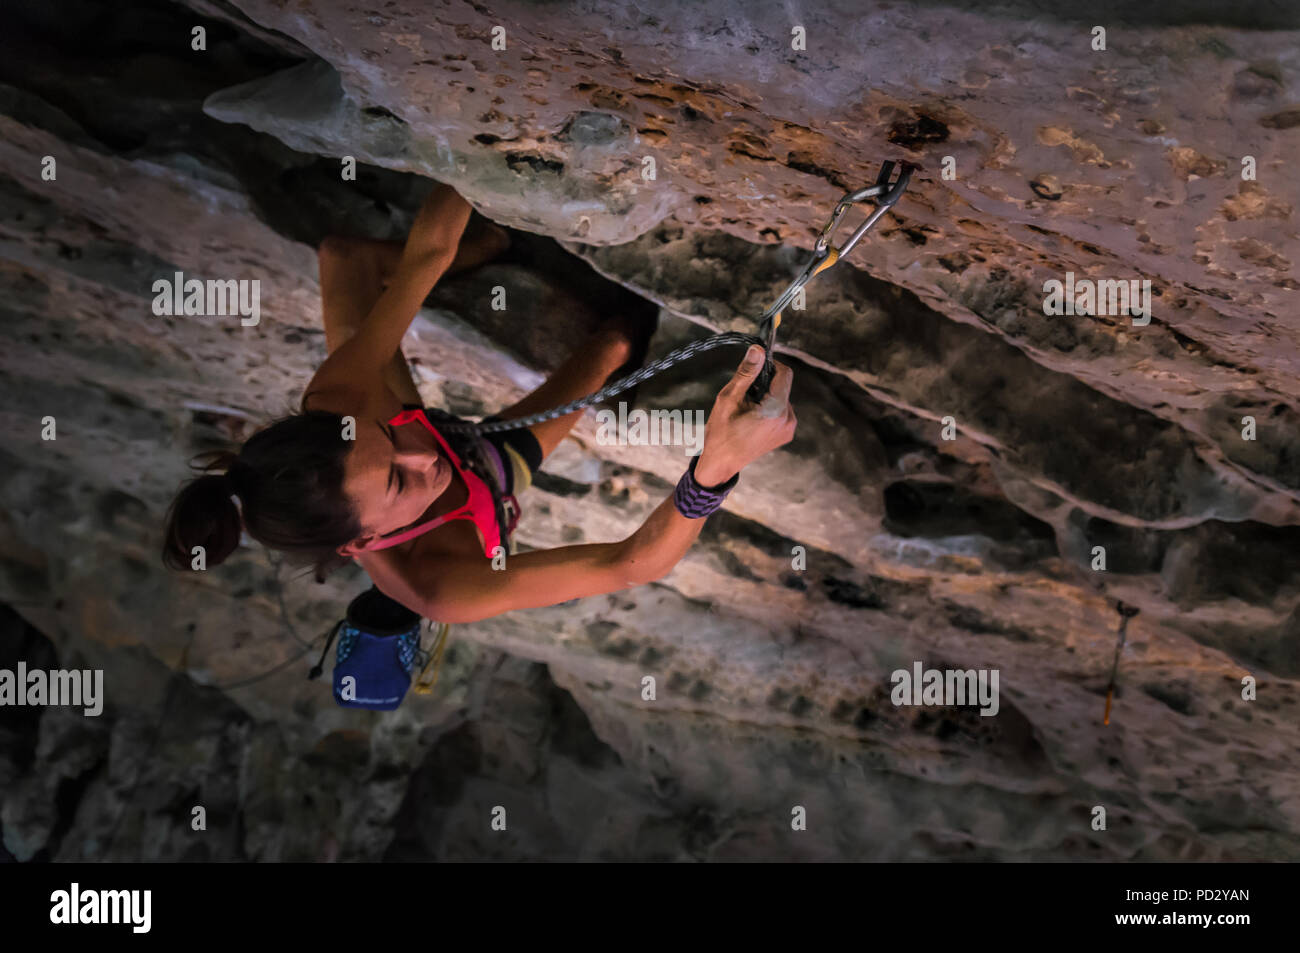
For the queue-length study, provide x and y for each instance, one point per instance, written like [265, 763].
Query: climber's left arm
[429, 251]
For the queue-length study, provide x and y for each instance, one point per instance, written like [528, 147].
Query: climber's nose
[421, 460]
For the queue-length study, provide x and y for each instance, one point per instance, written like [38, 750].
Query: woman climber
[391, 493]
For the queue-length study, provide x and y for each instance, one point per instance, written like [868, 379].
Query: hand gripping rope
[885, 195]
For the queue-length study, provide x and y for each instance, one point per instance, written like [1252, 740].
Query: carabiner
[886, 195]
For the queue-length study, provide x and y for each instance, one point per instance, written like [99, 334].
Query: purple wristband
[694, 501]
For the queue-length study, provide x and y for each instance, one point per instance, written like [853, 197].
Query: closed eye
[394, 474]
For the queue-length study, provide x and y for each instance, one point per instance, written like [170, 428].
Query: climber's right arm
[456, 589]
[459, 590]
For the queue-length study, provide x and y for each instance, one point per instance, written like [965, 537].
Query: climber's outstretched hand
[739, 431]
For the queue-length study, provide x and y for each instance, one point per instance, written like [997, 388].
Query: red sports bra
[480, 507]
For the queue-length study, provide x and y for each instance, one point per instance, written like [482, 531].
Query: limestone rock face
[680, 157]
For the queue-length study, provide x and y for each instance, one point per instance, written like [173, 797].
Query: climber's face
[393, 474]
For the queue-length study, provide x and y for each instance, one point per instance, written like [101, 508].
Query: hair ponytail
[289, 481]
[203, 514]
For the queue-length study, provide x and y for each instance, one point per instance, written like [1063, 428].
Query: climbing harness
[885, 194]
[1126, 612]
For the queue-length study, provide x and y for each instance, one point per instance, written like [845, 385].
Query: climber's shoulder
[345, 398]
[350, 394]
[334, 399]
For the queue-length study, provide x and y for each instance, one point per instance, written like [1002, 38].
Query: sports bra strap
[479, 508]
[409, 534]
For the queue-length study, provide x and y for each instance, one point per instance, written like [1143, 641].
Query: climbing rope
[885, 195]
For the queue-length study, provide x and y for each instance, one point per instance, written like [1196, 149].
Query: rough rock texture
[1072, 432]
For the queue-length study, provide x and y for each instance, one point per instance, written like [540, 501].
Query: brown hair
[289, 481]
